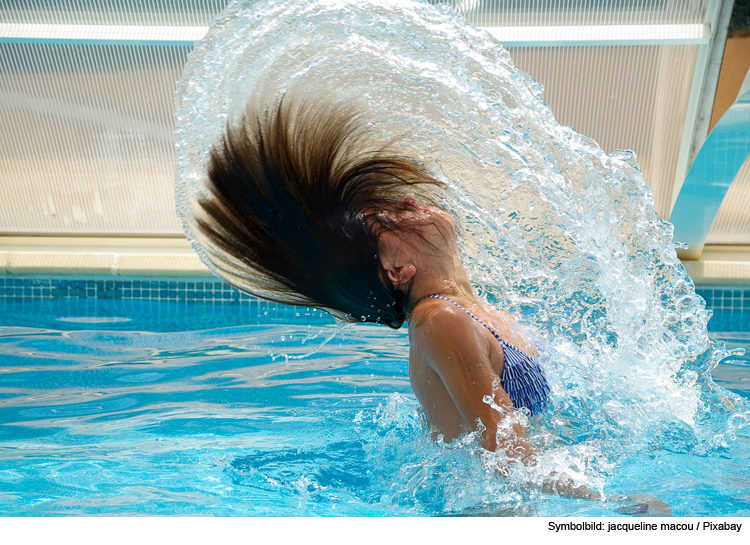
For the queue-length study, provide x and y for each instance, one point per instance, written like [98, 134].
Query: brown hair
[294, 193]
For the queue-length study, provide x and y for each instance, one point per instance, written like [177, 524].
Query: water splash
[554, 229]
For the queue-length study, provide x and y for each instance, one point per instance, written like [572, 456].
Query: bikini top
[522, 377]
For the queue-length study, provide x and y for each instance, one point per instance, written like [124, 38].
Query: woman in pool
[318, 218]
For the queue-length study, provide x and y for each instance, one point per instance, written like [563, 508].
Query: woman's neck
[449, 280]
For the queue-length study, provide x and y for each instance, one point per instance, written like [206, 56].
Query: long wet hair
[296, 196]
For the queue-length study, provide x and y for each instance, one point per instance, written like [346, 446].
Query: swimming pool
[154, 407]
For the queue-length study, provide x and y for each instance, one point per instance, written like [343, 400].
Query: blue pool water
[156, 408]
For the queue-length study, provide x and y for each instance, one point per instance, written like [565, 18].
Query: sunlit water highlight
[182, 410]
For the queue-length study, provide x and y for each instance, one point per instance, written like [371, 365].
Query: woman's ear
[396, 258]
[399, 275]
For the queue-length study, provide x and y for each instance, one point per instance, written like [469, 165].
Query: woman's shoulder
[442, 323]
[443, 312]
[433, 311]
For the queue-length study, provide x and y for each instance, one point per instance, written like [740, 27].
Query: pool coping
[100, 257]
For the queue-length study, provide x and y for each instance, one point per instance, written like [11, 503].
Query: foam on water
[553, 228]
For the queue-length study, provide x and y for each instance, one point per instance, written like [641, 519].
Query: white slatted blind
[86, 138]
[111, 12]
[579, 12]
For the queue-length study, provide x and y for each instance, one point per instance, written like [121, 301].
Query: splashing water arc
[553, 228]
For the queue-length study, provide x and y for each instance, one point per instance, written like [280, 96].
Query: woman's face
[436, 228]
[418, 234]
